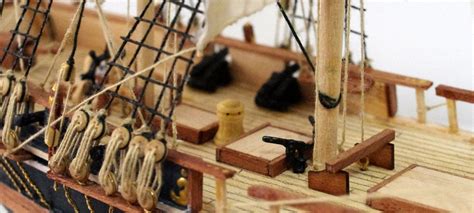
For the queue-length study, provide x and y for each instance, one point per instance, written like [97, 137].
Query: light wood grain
[433, 188]
[421, 105]
[452, 115]
[330, 28]
[253, 144]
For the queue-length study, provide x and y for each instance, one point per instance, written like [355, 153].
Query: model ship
[102, 112]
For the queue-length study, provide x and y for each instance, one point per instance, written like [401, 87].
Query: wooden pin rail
[21, 155]
[334, 180]
[196, 166]
[453, 94]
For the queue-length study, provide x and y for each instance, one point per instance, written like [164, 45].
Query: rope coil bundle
[80, 165]
[109, 171]
[74, 133]
[129, 168]
[149, 178]
[16, 104]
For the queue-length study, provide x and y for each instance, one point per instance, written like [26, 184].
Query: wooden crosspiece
[334, 180]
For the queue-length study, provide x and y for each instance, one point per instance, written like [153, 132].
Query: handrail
[455, 93]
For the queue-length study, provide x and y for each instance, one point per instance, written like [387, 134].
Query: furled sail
[220, 14]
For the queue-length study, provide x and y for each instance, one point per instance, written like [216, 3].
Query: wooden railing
[196, 168]
[453, 94]
[390, 79]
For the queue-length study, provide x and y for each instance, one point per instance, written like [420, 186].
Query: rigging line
[157, 58]
[137, 51]
[41, 131]
[188, 67]
[308, 59]
[70, 60]
[362, 68]
[110, 43]
[16, 4]
[346, 75]
[33, 185]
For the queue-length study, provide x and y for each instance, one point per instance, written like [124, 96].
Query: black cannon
[280, 91]
[213, 71]
[295, 151]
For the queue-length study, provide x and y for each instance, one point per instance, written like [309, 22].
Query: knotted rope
[73, 135]
[129, 168]
[149, 177]
[80, 165]
[346, 74]
[16, 105]
[119, 140]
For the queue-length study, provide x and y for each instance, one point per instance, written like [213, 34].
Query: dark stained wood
[271, 194]
[392, 102]
[16, 202]
[96, 192]
[328, 182]
[197, 164]
[195, 179]
[360, 151]
[384, 158]
[454, 93]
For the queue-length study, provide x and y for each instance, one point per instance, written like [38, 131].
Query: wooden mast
[328, 78]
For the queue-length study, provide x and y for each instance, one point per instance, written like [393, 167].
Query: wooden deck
[424, 144]
[414, 144]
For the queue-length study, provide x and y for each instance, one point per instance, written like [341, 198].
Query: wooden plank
[197, 164]
[360, 151]
[96, 192]
[16, 202]
[436, 191]
[454, 93]
[272, 194]
[403, 80]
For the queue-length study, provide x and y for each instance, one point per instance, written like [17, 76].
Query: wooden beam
[360, 151]
[329, 63]
[271, 194]
[195, 179]
[221, 196]
[21, 155]
[455, 93]
[197, 164]
[16, 202]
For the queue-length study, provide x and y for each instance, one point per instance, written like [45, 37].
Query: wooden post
[195, 190]
[329, 62]
[453, 118]
[146, 56]
[221, 195]
[420, 105]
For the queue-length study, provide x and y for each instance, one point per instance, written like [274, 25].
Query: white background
[428, 39]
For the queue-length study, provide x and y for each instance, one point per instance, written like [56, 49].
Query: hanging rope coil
[149, 179]
[16, 105]
[129, 168]
[80, 165]
[73, 135]
[107, 174]
[6, 87]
